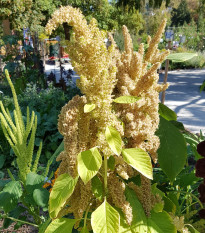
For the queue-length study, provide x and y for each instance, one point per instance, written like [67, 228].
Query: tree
[133, 20]
[154, 20]
[26, 13]
[181, 15]
[101, 10]
[138, 4]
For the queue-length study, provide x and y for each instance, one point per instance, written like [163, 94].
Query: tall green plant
[20, 135]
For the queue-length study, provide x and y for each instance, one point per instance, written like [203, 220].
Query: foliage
[195, 62]
[21, 66]
[154, 19]
[46, 103]
[17, 134]
[181, 15]
[26, 14]
[27, 189]
[133, 20]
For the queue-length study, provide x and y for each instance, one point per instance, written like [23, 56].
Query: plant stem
[105, 175]
[191, 194]
[18, 220]
[189, 206]
[86, 215]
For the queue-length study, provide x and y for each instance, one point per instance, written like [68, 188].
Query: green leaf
[89, 107]
[126, 99]
[139, 221]
[43, 226]
[139, 160]
[172, 153]
[105, 219]
[2, 160]
[84, 230]
[111, 163]
[89, 162]
[61, 191]
[62, 225]
[169, 206]
[160, 223]
[167, 113]
[34, 181]
[10, 195]
[97, 188]
[181, 57]
[41, 197]
[3, 183]
[113, 139]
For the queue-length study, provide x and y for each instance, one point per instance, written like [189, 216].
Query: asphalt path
[182, 96]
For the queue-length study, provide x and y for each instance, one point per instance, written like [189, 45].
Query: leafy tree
[102, 10]
[181, 15]
[201, 16]
[133, 20]
[138, 4]
[154, 20]
[26, 13]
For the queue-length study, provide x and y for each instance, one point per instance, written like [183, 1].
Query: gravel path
[183, 96]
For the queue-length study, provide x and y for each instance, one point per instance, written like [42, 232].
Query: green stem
[18, 220]
[189, 206]
[105, 175]
[86, 215]
[191, 194]
[31, 211]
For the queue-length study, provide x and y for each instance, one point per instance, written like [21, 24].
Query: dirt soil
[23, 229]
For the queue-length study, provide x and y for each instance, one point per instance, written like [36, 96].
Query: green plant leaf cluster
[20, 136]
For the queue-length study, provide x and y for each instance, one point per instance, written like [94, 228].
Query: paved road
[183, 96]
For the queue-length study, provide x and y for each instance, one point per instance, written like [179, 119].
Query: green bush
[47, 104]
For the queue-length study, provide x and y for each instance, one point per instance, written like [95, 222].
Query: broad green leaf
[169, 206]
[41, 197]
[126, 99]
[139, 221]
[111, 163]
[10, 195]
[174, 198]
[62, 225]
[84, 230]
[167, 113]
[2, 160]
[3, 183]
[89, 107]
[43, 226]
[160, 223]
[105, 219]
[61, 191]
[97, 187]
[172, 153]
[139, 160]
[89, 162]
[181, 57]
[34, 181]
[113, 139]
